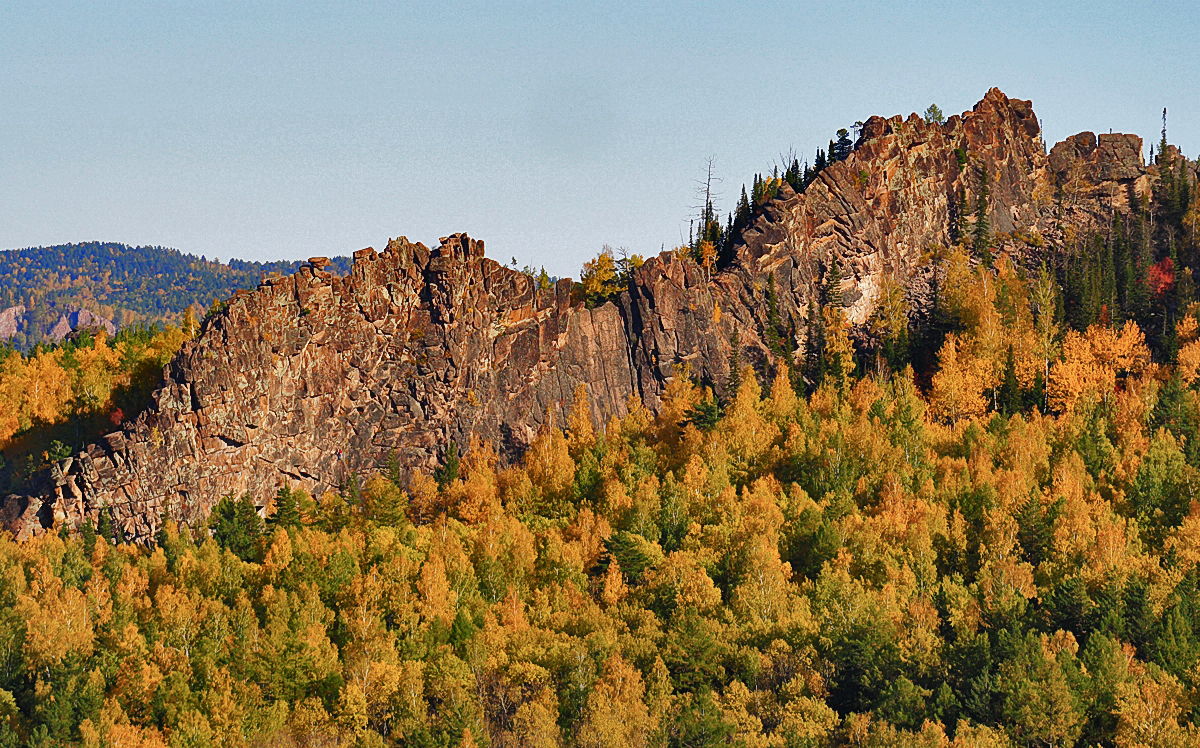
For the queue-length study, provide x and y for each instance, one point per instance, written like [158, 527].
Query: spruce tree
[448, 472]
[705, 415]
[832, 291]
[981, 240]
[814, 346]
[820, 162]
[237, 526]
[89, 537]
[734, 382]
[1009, 397]
[105, 527]
[775, 331]
[160, 537]
[840, 150]
[287, 508]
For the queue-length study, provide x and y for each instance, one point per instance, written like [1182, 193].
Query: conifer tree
[832, 291]
[448, 472]
[237, 526]
[840, 150]
[820, 162]
[287, 508]
[981, 240]
[105, 526]
[705, 414]
[775, 332]
[1009, 397]
[734, 382]
[814, 346]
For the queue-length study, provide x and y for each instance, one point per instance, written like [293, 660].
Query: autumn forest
[978, 528]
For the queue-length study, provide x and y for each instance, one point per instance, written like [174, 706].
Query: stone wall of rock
[314, 377]
[878, 212]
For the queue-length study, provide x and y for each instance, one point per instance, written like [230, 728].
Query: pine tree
[734, 382]
[287, 508]
[840, 150]
[794, 176]
[981, 240]
[814, 346]
[832, 292]
[88, 533]
[775, 331]
[1009, 397]
[705, 415]
[448, 472]
[105, 526]
[820, 162]
[237, 526]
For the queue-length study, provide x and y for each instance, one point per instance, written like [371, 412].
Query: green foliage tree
[287, 507]
[448, 472]
[237, 527]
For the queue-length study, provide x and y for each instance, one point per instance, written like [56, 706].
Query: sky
[281, 130]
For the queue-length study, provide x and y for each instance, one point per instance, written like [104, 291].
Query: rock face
[895, 197]
[1109, 167]
[312, 378]
[9, 320]
[78, 320]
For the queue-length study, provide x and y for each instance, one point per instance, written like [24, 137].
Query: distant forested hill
[126, 285]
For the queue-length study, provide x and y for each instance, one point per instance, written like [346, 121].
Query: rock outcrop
[10, 320]
[1108, 168]
[80, 319]
[312, 378]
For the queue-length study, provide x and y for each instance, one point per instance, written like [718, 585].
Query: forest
[996, 543]
[126, 285]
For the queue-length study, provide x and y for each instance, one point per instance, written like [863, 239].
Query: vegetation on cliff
[55, 399]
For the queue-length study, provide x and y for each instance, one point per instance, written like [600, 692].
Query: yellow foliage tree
[839, 349]
[581, 434]
[92, 380]
[959, 383]
[616, 715]
[1093, 361]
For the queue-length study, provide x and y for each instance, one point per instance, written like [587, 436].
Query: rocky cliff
[313, 377]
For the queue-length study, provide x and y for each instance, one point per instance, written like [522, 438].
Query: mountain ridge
[314, 378]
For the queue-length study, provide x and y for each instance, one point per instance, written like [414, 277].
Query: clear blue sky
[268, 130]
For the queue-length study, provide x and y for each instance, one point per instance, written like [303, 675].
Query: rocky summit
[313, 378]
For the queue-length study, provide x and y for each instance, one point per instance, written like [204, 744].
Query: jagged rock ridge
[314, 377]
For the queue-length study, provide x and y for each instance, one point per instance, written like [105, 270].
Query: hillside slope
[41, 288]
